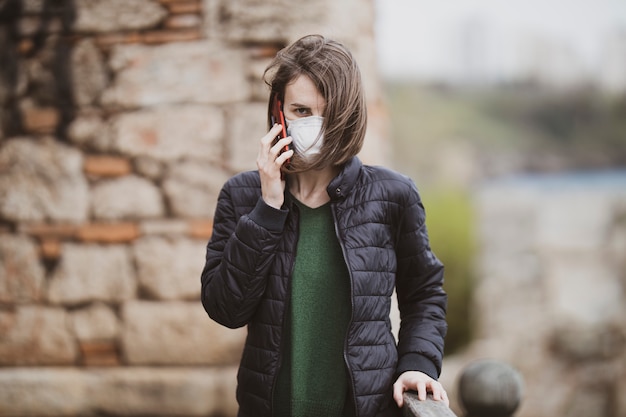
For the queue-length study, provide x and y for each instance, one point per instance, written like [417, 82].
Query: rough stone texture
[93, 273]
[129, 197]
[201, 229]
[169, 269]
[191, 72]
[38, 392]
[39, 120]
[110, 15]
[588, 342]
[33, 6]
[107, 166]
[88, 73]
[585, 227]
[103, 227]
[591, 401]
[169, 133]
[34, 335]
[149, 167]
[41, 180]
[189, 392]
[183, 21]
[21, 279]
[620, 403]
[243, 20]
[260, 90]
[122, 232]
[164, 227]
[86, 130]
[550, 298]
[191, 189]
[584, 289]
[38, 75]
[95, 322]
[186, 336]
[246, 132]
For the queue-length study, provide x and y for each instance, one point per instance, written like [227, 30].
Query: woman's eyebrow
[299, 105]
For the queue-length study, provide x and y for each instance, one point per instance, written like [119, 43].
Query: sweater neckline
[303, 206]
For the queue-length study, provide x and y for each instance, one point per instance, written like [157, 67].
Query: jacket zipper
[345, 345]
[285, 313]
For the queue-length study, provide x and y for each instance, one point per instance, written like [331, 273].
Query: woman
[306, 251]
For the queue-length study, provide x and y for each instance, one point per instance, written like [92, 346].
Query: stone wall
[120, 122]
[551, 293]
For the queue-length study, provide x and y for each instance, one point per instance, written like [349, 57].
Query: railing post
[490, 388]
[487, 388]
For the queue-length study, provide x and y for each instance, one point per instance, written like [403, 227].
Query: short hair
[335, 73]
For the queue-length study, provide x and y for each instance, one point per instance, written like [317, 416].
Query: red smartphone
[277, 116]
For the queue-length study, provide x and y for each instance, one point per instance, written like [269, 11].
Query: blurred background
[120, 121]
[511, 118]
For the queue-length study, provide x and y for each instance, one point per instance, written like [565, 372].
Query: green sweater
[313, 380]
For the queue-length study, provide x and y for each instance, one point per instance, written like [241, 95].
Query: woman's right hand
[269, 161]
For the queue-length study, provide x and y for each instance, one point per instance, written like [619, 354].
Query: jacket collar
[343, 183]
[340, 186]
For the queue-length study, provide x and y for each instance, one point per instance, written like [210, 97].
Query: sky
[496, 39]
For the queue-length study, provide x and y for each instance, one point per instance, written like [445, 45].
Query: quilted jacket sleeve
[238, 257]
[421, 298]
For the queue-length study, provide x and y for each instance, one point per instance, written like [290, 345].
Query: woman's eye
[303, 111]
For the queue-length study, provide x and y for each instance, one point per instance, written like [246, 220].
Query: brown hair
[336, 75]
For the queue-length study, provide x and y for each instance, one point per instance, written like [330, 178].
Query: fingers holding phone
[274, 148]
[272, 155]
[283, 151]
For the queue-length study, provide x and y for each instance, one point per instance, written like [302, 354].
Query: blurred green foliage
[547, 129]
[588, 126]
[450, 223]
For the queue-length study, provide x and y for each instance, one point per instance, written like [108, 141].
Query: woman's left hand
[420, 382]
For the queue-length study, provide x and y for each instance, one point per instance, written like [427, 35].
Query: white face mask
[305, 132]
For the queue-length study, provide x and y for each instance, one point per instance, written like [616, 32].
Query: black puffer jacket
[380, 223]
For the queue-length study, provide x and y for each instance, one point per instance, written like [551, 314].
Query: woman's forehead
[303, 91]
